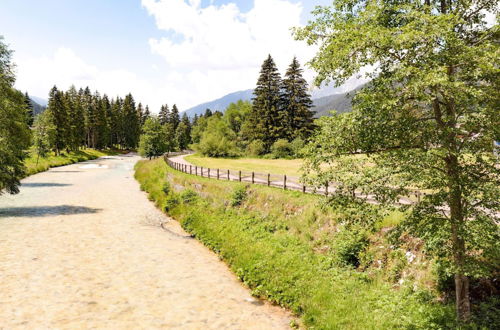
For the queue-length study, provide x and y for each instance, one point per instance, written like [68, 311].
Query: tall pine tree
[59, 117]
[30, 116]
[265, 119]
[164, 114]
[295, 113]
[174, 118]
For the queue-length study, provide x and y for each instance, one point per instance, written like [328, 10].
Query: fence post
[418, 196]
[228, 179]
[190, 169]
[284, 182]
[201, 170]
[209, 172]
[253, 177]
[196, 170]
[326, 188]
[303, 188]
[239, 176]
[217, 174]
[268, 179]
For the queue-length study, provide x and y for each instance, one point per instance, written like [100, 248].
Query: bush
[239, 196]
[348, 245]
[188, 196]
[166, 187]
[281, 149]
[296, 147]
[171, 202]
[255, 148]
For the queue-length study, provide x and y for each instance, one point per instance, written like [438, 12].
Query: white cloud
[38, 75]
[219, 49]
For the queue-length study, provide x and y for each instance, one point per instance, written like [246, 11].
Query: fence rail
[267, 179]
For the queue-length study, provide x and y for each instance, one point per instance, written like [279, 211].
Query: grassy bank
[331, 265]
[35, 165]
[275, 166]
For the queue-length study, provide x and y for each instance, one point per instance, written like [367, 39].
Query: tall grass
[279, 243]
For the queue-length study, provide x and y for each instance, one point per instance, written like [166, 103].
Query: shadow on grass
[45, 211]
[44, 184]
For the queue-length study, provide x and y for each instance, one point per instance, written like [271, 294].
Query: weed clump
[239, 196]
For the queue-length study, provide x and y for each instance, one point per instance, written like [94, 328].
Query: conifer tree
[102, 129]
[147, 114]
[183, 133]
[59, 117]
[164, 114]
[296, 103]
[30, 116]
[208, 113]
[264, 120]
[174, 118]
[131, 121]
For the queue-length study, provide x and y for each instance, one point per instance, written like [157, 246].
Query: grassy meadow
[35, 165]
[289, 167]
[331, 264]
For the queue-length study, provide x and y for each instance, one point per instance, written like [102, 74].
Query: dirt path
[81, 247]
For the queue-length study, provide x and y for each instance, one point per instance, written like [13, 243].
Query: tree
[427, 119]
[14, 132]
[296, 104]
[30, 116]
[131, 120]
[217, 140]
[146, 115]
[43, 134]
[174, 117]
[183, 133]
[170, 137]
[264, 120]
[236, 114]
[164, 114]
[59, 116]
[153, 142]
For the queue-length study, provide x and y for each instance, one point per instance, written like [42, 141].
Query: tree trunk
[457, 232]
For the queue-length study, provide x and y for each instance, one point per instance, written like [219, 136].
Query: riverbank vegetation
[332, 263]
[35, 164]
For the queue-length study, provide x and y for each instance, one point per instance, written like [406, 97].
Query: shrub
[348, 245]
[255, 148]
[281, 149]
[239, 196]
[296, 147]
[171, 202]
[166, 187]
[188, 196]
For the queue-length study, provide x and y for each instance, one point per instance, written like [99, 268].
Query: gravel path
[82, 247]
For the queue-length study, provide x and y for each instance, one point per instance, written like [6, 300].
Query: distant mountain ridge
[220, 104]
[341, 102]
[37, 107]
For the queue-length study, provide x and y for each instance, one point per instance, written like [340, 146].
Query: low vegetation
[332, 263]
[35, 164]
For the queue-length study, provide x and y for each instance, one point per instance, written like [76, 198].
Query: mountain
[341, 102]
[221, 103]
[322, 105]
[37, 107]
[39, 100]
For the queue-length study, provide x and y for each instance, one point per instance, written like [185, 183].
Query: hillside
[37, 106]
[220, 104]
[341, 102]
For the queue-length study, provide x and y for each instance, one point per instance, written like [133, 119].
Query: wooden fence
[267, 179]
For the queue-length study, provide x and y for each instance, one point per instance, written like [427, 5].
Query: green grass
[285, 247]
[274, 166]
[43, 164]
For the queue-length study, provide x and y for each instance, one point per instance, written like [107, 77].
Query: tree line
[84, 119]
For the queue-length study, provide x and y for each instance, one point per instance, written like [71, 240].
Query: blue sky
[163, 51]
